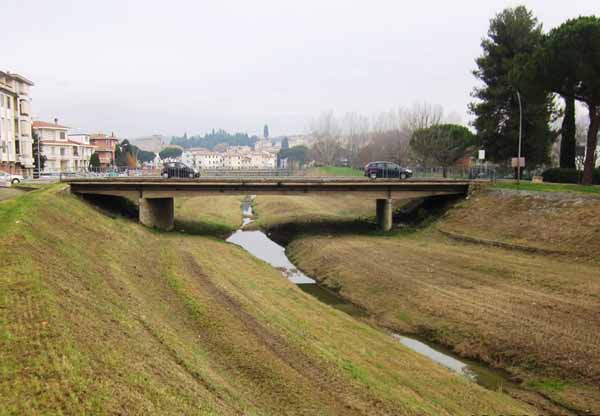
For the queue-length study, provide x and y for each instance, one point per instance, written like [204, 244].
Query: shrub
[567, 175]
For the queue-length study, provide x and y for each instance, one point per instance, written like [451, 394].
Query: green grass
[334, 171]
[548, 187]
[102, 316]
[208, 215]
[9, 193]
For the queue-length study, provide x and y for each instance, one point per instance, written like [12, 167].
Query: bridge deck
[145, 187]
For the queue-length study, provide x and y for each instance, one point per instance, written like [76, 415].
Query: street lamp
[39, 164]
[520, 135]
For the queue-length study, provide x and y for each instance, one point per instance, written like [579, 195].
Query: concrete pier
[384, 214]
[157, 213]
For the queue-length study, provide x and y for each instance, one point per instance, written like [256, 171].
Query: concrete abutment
[157, 213]
[384, 210]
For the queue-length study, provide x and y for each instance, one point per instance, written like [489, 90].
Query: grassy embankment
[208, 215]
[101, 315]
[334, 171]
[9, 193]
[532, 313]
[548, 187]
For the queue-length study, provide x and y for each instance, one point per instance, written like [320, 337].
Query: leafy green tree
[442, 144]
[145, 156]
[569, 64]
[94, 161]
[296, 153]
[513, 35]
[170, 152]
[568, 142]
[210, 140]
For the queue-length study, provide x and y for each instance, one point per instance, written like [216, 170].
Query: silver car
[8, 178]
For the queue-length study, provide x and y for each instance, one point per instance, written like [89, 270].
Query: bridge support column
[157, 213]
[384, 214]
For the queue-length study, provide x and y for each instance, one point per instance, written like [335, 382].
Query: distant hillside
[153, 143]
[210, 140]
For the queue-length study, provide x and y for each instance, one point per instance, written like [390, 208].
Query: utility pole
[520, 139]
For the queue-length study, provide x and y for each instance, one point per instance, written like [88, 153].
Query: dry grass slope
[103, 316]
[534, 314]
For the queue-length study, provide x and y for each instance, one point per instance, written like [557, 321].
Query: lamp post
[520, 139]
[39, 165]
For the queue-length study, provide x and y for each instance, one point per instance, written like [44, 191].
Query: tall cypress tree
[567, 132]
[513, 35]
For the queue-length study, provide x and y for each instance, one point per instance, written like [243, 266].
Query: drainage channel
[261, 246]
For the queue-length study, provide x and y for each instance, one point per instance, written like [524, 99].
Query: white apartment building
[208, 160]
[16, 152]
[202, 159]
[63, 152]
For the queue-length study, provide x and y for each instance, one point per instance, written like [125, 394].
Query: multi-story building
[16, 151]
[202, 159]
[63, 152]
[207, 159]
[105, 146]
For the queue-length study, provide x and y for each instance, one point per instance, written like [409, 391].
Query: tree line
[215, 138]
[549, 72]
[530, 81]
[419, 135]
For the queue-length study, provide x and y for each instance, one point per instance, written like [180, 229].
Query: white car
[10, 178]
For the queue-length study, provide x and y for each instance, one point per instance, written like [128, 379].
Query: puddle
[261, 246]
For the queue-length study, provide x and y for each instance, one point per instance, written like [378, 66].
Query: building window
[62, 135]
[62, 151]
[8, 102]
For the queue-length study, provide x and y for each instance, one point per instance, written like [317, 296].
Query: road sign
[517, 162]
[481, 155]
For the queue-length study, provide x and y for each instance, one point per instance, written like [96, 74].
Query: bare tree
[356, 134]
[327, 132]
[422, 116]
[386, 137]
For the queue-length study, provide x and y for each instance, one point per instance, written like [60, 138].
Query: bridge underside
[156, 196]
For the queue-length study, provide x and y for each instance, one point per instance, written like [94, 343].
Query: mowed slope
[536, 315]
[547, 221]
[104, 316]
[273, 211]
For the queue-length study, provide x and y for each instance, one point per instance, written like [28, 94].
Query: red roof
[44, 125]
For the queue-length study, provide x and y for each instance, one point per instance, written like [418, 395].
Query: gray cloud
[143, 67]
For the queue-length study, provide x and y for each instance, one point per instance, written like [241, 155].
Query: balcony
[25, 107]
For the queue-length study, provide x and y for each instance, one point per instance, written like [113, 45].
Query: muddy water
[261, 246]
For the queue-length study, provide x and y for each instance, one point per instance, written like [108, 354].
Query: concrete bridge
[156, 195]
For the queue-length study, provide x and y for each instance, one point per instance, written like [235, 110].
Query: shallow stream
[261, 246]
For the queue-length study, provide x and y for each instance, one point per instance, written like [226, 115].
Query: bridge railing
[170, 172]
[480, 172]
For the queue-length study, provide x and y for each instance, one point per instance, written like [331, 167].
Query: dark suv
[178, 170]
[375, 170]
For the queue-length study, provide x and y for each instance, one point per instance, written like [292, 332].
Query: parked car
[375, 170]
[10, 178]
[178, 170]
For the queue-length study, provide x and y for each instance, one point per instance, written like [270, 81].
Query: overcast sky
[165, 67]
